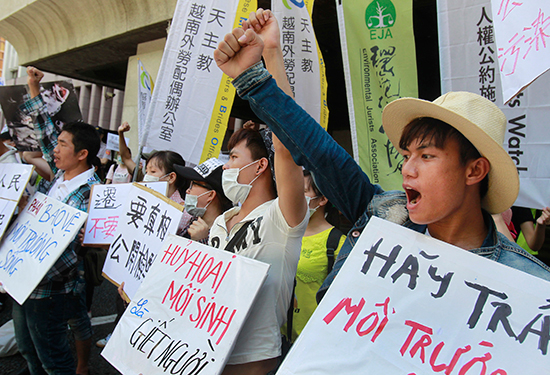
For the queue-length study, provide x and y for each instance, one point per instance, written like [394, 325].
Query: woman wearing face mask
[315, 263]
[160, 167]
[205, 199]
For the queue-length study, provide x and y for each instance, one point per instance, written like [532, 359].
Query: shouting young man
[455, 170]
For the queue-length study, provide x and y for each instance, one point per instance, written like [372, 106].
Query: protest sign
[147, 218]
[187, 313]
[192, 98]
[304, 64]
[379, 59]
[405, 303]
[521, 33]
[61, 103]
[107, 205]
[35, 241]
[469, 62]
[13, 180]
[112, 141]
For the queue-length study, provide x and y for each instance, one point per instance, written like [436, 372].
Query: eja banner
[379, 66]
[192, 98]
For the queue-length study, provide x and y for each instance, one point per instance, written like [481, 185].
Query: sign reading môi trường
[35, 241]
[405, 303]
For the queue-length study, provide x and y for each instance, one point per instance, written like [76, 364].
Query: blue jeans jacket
[343, 182]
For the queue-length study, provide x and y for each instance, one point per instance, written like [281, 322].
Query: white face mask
[151, 178]
[191, 202]
[311, 210]
[237, 193]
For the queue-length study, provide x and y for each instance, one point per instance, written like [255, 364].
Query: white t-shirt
[119, 175]
[271, 240]
[62, 187]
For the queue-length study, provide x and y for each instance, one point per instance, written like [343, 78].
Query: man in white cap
[455, 170]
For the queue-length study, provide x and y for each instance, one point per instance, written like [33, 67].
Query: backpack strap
[332, 244]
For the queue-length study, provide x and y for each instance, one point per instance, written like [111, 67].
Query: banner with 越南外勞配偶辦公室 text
[379, 56]
[470, 62]
[192, 98]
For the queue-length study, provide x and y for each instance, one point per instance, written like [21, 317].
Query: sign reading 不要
[188, 312]
[405, 303]
[35, 241]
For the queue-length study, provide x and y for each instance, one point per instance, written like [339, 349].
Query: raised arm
[336, 173]
[123, 149]
[44, 128]
[534, 235]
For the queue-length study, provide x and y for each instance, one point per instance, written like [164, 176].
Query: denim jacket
[343, 182]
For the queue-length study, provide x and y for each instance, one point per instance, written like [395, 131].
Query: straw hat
[480, 121]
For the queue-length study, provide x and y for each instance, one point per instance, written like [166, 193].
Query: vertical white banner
[303, 61]
[145, 89]
[469, 62]
[188, 80]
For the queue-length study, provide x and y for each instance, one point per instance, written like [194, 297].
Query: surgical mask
[151, 178]
[311, 210]
[118, 160]
[191, 204]
[237, 193]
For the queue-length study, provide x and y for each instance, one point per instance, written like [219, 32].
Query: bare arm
[534, 235]
[501, 226]
[123, 149]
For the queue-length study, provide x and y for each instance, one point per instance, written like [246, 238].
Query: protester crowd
[278, 199]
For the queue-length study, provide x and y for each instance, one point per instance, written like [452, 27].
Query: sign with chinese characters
[112, 141]
[188, 312]
[13, 180]
[147, 219]
[107, 208]
[466, 28]
[522, 33]
[304, 64]
[192, 99]
[145, 89]
[405, 303]
[379, 66]
[35, 241]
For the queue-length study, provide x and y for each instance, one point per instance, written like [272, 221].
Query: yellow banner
[225, 97]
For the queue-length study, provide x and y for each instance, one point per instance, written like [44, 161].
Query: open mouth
[413, 196]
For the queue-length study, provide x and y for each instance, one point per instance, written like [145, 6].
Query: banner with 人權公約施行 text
[379, 58]
[147, 218]
[303, 61]
[13, 181]
[107, 207]
[469, 62]
[188, 312]
[192, 98]
[35, 241]
[406, 303]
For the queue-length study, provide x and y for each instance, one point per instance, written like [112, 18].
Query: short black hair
[166, 160]
[433, 130]
[85, 137]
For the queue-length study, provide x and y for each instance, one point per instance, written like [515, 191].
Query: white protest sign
[188, 312]
[35, 241]
[145, 89]
[522, 33]
[106, 208]
[405, 303]
[469, 62]
[112, 141]
[13, 180]
[148, 217]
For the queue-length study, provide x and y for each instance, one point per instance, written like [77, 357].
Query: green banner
[380, 66]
